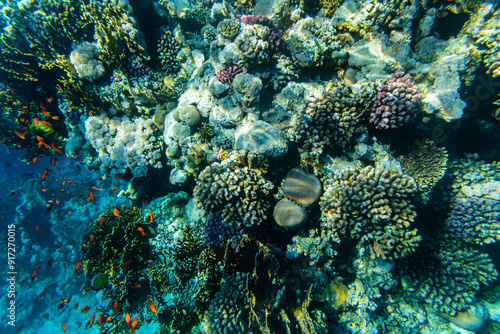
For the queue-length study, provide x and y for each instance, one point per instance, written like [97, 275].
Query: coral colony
[253, 166]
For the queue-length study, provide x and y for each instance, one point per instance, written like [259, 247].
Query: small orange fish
[91, 241]
[142, 231]
[92, 197]
[101, 222]
[71, 182]
[85, 309]
[50, 201]
[99, 179]
[50, 99]
[50, 261]
[46, 123]
[45, 113]
[78, 266]
[53, 162]
[33, 275]
[95, 188]
[83, 210]
[38, 229]
[152, 306]
[56, 148]
[44, 190]
[92, 317]
[151, 218]
[35, 121]
[76, 306]
[116, 307]
[127, 320]
[137, 286]
[69, 212]
[117, 176]
[57, 200]
[100, 319]
[35, 160]
[116, 212]
[133, 326]
[20, 134]
[55, 118]
[108, 319]
[64, 326]
[42, 104]
[115, 188]
[45, 174]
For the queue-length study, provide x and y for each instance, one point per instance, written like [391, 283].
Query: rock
[231, 54]
[177, 176]
[189, 115]
[216, 87]
[289, 215]
[226, 113]
[248, 87]
[471, 319]
[261, 137]
[159, 117]
[301, 188]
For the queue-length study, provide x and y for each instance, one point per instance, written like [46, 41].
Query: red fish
[151, 217]
[35, 121]
[92, 317]
[91, 241]
[152, 306]
[78, 266]
[92, 197]
[100, 319]
[95, 188]
[38, 229]
[71, 182]
[85, 309]
[116, 212]
[56, 148]
[101, 222]
[50, 99]
[127, 320]
[53, 162]
[34, 275]
[64, 326]
[116, 307]
[99, 179]
[20, 134]
[142, 231]
[35, 160]
[46, 123]
[133, 326]
[108, 319]
[137, 286]
[76, 306]
[50, 261]
[45, 174]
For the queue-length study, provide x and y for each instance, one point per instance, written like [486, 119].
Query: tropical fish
[50, 261]
[50, 99]
[92, 317]
[91, 241]
[101, 222]
[53, 162]
[100, 319]
[151, 217]
[127, 320]
[78, 266]
[95, 188]
[56, 148]
[125, 265]
[116, 212]
[35, 160]
[152, 306]
[76, 306]
[20, 134]
[64, 326]
[108, 319]
[142, 231]
[85, 309]
[45, 174]
[38, 229]
[92, 197]
[134, 324]
[116, 307]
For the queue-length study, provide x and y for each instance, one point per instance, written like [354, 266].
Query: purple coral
[397, 102]
[227, 75]
[274, 40]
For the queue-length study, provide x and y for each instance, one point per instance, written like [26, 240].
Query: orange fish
[45, 174]
[137, 286]
[116, 307]
[85, 309]
[46, 113]
[101, 221]
[83, 210]
[115, 188]
[99, 179]
[95, 188]
[57, 201]
[76, 306]
[152, 306]
[64, 326]
[50, 261]
[38, 229]
[34, 274]
[78, 266]
[100, 320]
[127, 320]
[71, 182]
[92, 197]
[91, 241]
[35, 160]
[53, 162]
[19, 134]
[56, 148]
[108, 319]
[151, 218]
[46, 123]
[116, 212]
[43, 189]
[50, 201]
[133, 326]
[69, 212]
[55, 118]
[42, 104]
[50, 99]
[35, 121]
[142, 231]
[92, 317]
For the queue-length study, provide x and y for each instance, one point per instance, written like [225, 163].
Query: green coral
[374, 207]
[168, 47]
[228, 28]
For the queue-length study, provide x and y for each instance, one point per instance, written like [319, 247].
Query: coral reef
[374, 207]
[397, 102]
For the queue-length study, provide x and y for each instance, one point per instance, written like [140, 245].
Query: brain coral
[237, 191]
[122, 143]
[373, 206]
[397, 102]
[474, 220]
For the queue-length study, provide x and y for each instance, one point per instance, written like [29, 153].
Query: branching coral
[168, 47]
[397, 102]
[372, 206]
[239, 192]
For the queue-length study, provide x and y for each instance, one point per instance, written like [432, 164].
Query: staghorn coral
[237, 191]
[168, 47]
[372, 206]
[474, 220]
[426, 165]
[447, 276]
[227, 75]
[397, 102]
[473, 177]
